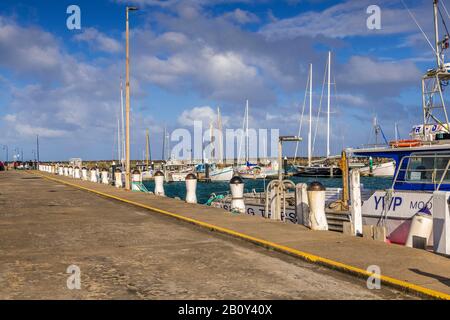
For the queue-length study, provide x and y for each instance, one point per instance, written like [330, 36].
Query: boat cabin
[424, 168]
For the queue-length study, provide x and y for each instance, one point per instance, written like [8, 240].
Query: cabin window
[427, 169]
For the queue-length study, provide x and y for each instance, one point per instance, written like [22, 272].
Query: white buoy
[159, 183]
[77, 173]
[118, 178]
[237, 194]
[104, 175]
[84, 174]
[71, 171]
[421, 227]
[191, 188]
[136, 180]
[316, 200]
[94, 176]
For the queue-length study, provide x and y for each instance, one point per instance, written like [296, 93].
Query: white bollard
[94, 176]
[441, 222]
[66, 171]
[191, 188]
[237, 194]
[421, 228]
[104, 175]
[301, 204]
[77, 173]
[316, 200]
[159, 183]
[71, 171]
[135, 180]
[118, 178]
[84, 174]
[355, 201]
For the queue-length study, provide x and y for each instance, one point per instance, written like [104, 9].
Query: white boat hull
[224, 174]
[380, 170]
[398, 212]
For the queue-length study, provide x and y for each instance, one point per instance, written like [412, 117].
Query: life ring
[405, 143]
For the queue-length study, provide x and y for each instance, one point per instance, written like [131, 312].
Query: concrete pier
[136, 245]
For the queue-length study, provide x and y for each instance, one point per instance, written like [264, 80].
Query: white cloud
[99, 41]
[205, 114]
[366, 71]
[241, 16]
[347, 19]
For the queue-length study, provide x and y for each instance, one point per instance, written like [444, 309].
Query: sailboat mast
[246, 135]
[211, 137]
[119, 152]
[328, 104]
[220, 137]
[147, 148]
[310, 115]
[122, 135]
[164, 145]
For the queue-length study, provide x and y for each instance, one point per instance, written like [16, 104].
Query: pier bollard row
[316, 201]
[77, 173]
[94, 175]
[159, 183]
[237, 195]
[136, 180]
[191, 188]
[84, 174]
[104, 176]
[118, 178]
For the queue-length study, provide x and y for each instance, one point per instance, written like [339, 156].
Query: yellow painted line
[306, 256]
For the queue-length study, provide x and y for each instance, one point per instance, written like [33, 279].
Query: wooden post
[345, 189]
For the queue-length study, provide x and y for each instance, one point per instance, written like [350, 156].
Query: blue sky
[188, 57]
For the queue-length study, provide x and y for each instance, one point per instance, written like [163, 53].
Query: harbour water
[204, 190]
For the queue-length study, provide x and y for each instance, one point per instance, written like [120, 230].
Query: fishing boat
[385, 169]
[253, 171]
[210, 171]
[422, 164]
[177, 170]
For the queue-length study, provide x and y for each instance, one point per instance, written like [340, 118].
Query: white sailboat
[318, 168]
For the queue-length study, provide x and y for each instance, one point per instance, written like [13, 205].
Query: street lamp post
[127, 101]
